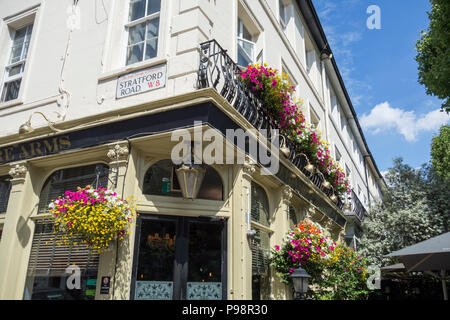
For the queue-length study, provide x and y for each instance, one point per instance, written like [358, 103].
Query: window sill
[11, 103]
[132, 67]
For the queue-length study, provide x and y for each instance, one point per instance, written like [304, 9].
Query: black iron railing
[219, 71]
[356, 207]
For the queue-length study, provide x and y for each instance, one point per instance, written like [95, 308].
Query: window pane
[205, 252]
[137, 9]
[260, 205]
[136, 34]
[16, 51]
[151, 48]
[19, 36]
[15, 70]
[25, 50]
[245, 53]
[153, 6]
[11, 90]
[135, 53]
[152, 28]
[205, 261]
[246, 34]
[5, 189]
[282, 12]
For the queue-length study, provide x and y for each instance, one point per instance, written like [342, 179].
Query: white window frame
[313, 114]
[146, 18]
[283, 8]
[336, 153]
[22, 60]
[285, 69]
[240, 37]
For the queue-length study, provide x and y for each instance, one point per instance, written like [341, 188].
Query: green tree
[407, 214]
[440, 153]
[433, 53]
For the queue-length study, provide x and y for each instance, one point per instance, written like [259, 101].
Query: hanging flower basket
[337, 271]
[96, 216]
[278, 94]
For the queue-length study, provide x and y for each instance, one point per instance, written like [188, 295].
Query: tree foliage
[440, 153]
[414, 209]
[433, 53]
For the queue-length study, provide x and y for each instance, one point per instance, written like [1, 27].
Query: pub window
[260, 245]
[71, 178]
[143, 30]
[292, 215]
[161, 180]
[47, 271]
[5, 189]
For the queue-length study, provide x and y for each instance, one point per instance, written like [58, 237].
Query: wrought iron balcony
[356, 207]
[219, 71]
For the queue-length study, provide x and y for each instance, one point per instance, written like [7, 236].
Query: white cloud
[383, 117]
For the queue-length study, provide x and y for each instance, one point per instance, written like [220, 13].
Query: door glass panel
[154, 277]
[205, 261]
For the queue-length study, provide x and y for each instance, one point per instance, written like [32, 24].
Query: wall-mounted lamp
[27, 128]
[326, 184]
[309, 167]
[284, 148]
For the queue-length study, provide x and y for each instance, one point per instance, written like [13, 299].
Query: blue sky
[380, 73]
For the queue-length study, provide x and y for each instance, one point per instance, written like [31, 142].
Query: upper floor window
[315, 120]
[143, 30]
[291, 78]
[338, 156]
[246, 45]
[348, 173]
[15, 67]
[283, 14]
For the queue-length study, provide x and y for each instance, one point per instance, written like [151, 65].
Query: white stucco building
[64, 66]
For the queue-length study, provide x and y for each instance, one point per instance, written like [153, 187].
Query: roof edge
[315, 27]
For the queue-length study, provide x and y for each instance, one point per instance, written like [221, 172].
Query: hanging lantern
[190, 178]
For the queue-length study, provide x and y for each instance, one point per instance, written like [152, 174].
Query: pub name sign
[34, 149]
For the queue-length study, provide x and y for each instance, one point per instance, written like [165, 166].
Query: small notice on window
[141, 81]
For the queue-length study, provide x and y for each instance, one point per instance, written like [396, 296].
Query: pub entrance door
[179, 257]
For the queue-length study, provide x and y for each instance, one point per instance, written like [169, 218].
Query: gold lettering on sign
[35, 148]
[51, 147]
[24, 154]
[9, 153]
[64, 142]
